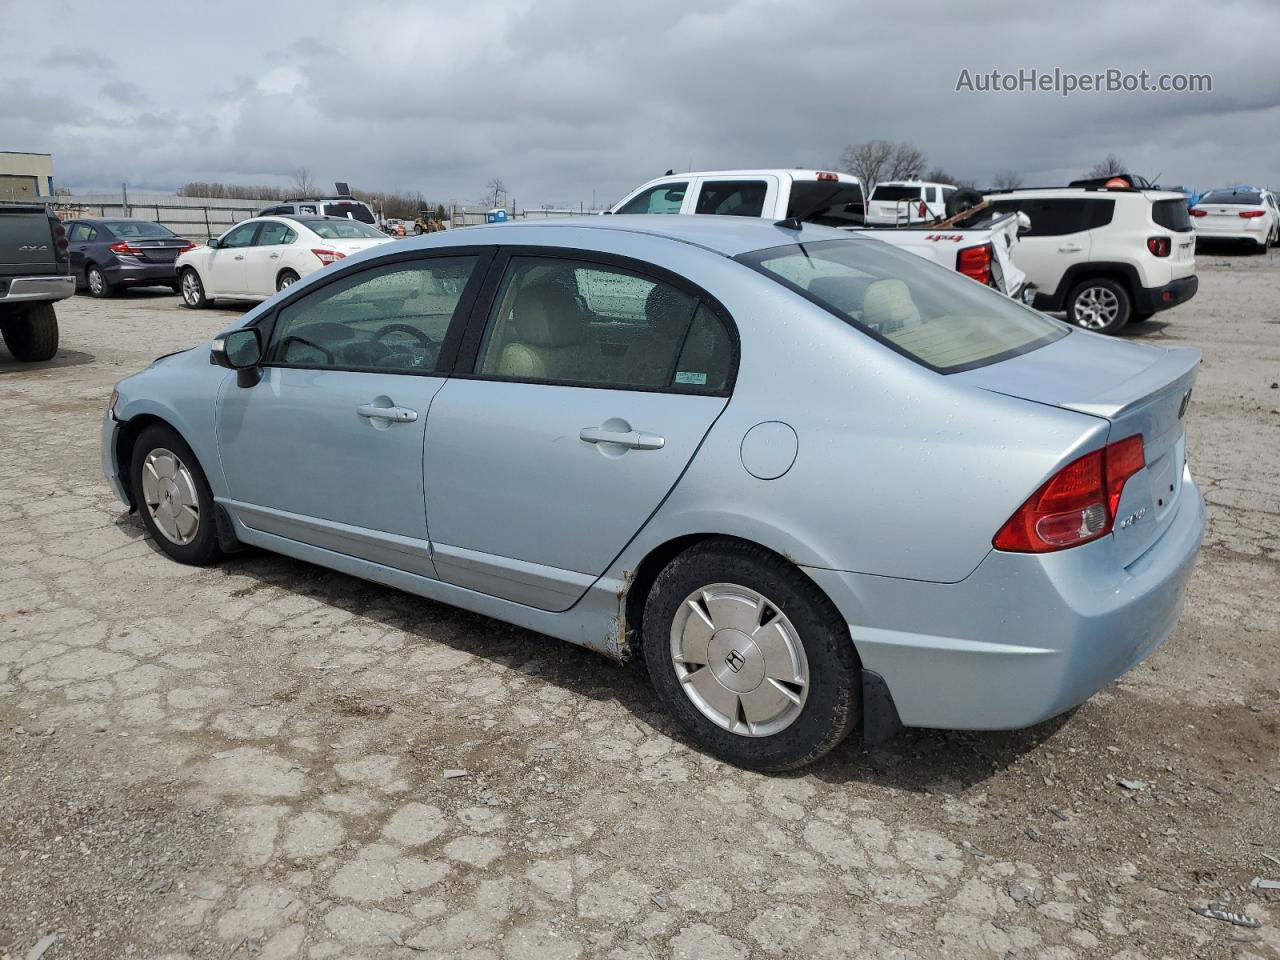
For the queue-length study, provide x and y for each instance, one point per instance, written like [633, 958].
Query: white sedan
[258, 257]
[1238, 213]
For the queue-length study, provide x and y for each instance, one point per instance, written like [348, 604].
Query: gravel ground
[262, 759]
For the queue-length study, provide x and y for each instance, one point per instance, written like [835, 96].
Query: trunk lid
[349, 247]
[158, 251]
[26, 241]
[1139, 389]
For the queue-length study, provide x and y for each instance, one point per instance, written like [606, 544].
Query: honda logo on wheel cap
[735, 661]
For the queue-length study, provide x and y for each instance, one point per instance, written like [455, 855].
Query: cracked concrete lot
[265, 759]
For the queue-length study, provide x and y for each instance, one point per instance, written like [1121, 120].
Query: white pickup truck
[976, 244]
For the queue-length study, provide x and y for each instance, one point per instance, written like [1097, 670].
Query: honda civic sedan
[109, 255]
[814, 483]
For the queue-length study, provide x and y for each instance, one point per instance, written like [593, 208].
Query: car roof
[758, 172]
[1069, 192]
[913, 183]
[727, 236]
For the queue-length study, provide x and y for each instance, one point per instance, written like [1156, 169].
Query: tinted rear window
[1231, 196]
[356, 211]
[732, 198]
[937, 317]
[833, 204]
[134, 228]
[1172, 215]
[892, 193]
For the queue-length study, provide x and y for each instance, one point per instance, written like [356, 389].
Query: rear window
[894, 193]
[343, 229]
[832, 204]
[938, 318]
[126, 229]
[1231, 196]
[732, 198]
[355, 211]
[1172, 215]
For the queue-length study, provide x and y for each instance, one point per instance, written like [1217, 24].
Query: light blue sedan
[816, 483]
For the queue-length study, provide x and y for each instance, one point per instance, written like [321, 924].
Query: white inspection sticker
[683, 376]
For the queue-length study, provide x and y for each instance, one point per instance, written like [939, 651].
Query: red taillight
[1250, 214]
[123, 247]
[823, 175]
[1077, 505]
[1198, 213]
[328, 256]
[188, 245]
[975, 262]
[1159, 246]
[923, 209]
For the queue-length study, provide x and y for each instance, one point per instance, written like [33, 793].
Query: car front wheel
[1100, 305]
[750, 657]
[193, 290]
[173, 496]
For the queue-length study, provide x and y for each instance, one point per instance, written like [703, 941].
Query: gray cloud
[565, 97]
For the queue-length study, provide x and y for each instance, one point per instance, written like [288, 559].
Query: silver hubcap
[96, 283]
[739, 660]
[190, 288]
[170, 495]
[286, 281]
[1096, 308]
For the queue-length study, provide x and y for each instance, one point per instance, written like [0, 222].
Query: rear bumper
[140, 274]
[31, 289]
[1023, 638]
[1155, 299]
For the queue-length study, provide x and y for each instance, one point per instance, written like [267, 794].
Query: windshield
[938, 317]
[343, 230]
[131, 229]
[1246, 197]
[356, 211]
[893, 193]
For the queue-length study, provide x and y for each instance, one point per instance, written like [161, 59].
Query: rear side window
[664, 198]
[590, 324]
[275, 234]
[1058, 216]
[352, 211]
[936, 317]
[894, 193]
[732, 198]
[80, 233]
[1172, 215]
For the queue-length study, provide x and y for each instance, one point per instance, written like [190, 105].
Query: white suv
[1105, 256]
[896, 203]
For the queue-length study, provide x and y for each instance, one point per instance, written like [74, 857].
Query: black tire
[96, 282]
[192, 290]
[1085, 305]
[1260, 249]
[1137, 317]
[31, 333]
[202, 549]
[832, 707]
[287, 278]
[176, 287]
[962, 200]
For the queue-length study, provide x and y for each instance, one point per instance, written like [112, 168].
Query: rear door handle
[238, 256]
[1072, 248]
[394, 414]
[275, 256]
[632, 439]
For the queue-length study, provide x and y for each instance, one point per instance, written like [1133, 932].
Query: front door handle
[238, 256]
[394, 414]
[275, 256]
[1071, 248]
[631, 439]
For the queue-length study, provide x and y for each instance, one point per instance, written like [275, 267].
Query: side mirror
[213, 243]
[239, 350]
[1024, 223]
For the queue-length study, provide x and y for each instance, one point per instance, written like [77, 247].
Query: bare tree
[906, 162]
[867, 161]
[939, 175]
[302, 182]
[495, 193]
[1006, 180]
[1108, 167]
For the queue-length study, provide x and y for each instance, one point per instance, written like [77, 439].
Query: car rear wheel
[287, 278]
[750, 657]
[97, 283]
[1100, 305]
[31, 332]
[193, 290]
[173, 496]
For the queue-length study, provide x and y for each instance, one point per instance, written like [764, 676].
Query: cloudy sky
[564, 99]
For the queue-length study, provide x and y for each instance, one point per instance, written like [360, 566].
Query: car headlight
[111, 404]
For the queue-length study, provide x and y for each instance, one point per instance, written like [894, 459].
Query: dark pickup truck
[35, 271]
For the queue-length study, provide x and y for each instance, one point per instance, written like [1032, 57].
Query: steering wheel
[405, 328]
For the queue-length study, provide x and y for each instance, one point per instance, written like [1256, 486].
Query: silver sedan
[815, 483]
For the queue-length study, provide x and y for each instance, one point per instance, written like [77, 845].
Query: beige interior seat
[548, 337]
[887, 306]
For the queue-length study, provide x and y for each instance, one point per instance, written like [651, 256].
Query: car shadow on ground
[918, 761]
[64, 358]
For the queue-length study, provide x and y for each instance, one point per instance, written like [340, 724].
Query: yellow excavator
[426, 223]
